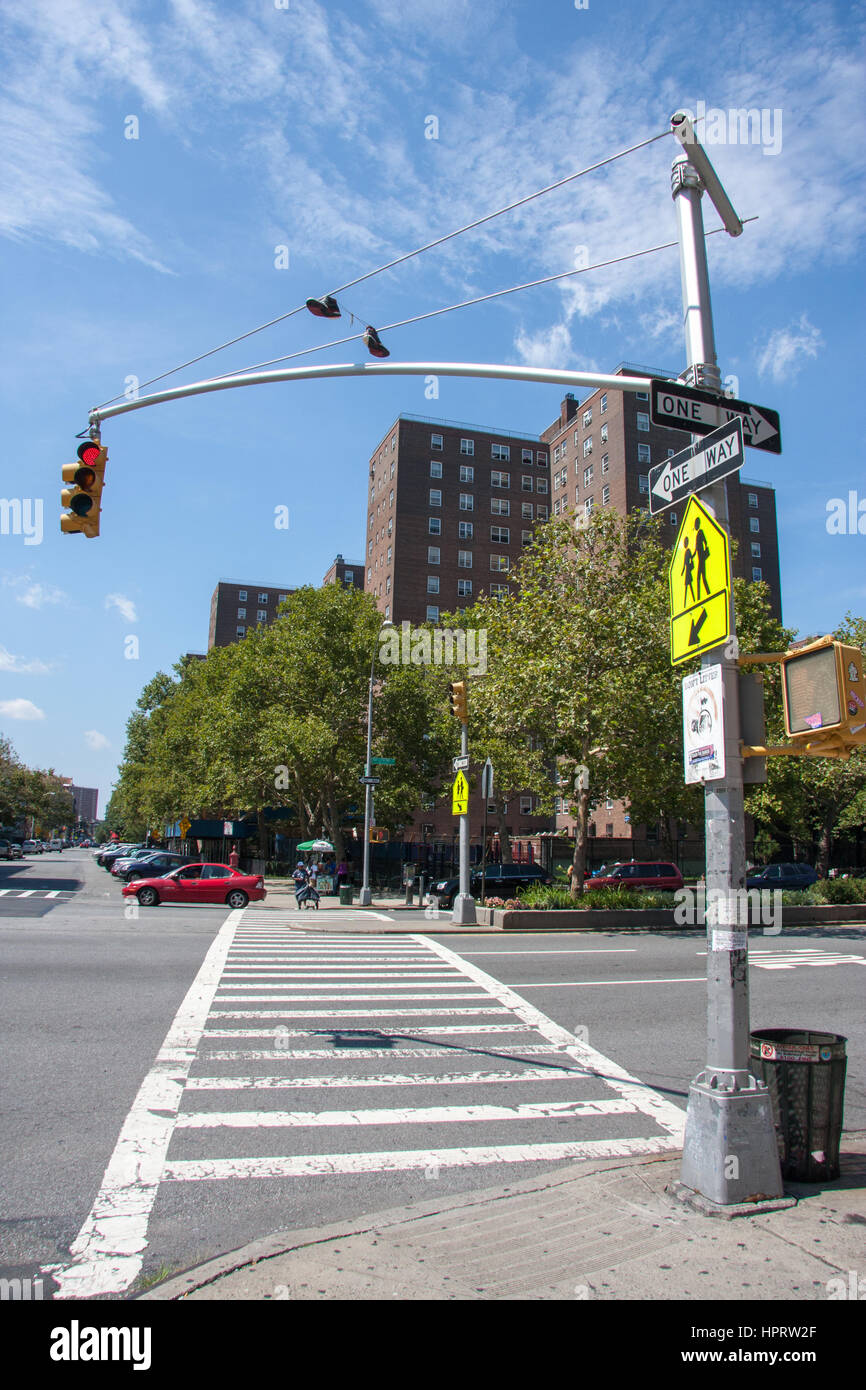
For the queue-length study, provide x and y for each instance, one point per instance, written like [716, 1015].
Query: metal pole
[729, 1151]
[366, 897]
[464, 904]
[549, 375]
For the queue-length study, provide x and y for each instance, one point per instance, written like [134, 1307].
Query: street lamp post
[366, 897]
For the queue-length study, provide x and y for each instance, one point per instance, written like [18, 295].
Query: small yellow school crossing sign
[699, 579]
[460, 796]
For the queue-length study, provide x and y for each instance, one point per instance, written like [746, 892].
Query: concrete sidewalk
[598, 1230]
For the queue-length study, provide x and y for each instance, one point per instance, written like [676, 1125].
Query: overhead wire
[399, 260]
[466, 303]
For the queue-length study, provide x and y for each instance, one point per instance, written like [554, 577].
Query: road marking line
[275, 997]
[473, 1012]
[441, 983]
[329, 1053]
[292, 1083]
[433, 1114]
[648, 1101]
[577, 951]
[587, 984]
[447, 1029]
[27, 893]
[108, 1252]
[318, 1165]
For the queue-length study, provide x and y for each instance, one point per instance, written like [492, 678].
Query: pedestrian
[299, 877]
[313, 873]
[342, 873]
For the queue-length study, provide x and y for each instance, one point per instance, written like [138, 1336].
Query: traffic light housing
[83, 497]
[824, 695]
[459, 700]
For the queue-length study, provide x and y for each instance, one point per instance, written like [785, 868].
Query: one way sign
[681, 407]
[717, 455]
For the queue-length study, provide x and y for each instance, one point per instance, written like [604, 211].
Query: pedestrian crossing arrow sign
[460, 796]
[699, 579]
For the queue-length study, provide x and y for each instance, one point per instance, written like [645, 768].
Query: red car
[658, 875]
[199, 883]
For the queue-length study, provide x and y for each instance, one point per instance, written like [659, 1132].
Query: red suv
[658, 875]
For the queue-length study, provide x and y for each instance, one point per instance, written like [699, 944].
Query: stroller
[307, 895]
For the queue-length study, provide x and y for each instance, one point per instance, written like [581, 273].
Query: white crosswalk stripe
[348, 1016]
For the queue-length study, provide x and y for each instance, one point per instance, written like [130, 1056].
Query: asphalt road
[312, 1078]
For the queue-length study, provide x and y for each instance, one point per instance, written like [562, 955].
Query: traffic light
[824, 693]
[459, 700]
[83, 498]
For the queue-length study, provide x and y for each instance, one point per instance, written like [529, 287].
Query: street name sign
[384, 762]
[696, 467]
[699, 581]
[460, 796]
[679, 407]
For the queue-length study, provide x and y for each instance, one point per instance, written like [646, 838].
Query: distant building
[236, 607]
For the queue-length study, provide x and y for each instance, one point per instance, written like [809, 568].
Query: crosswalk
[300, 1057]
[34, 893]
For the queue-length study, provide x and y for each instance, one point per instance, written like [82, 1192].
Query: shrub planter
[626, 919]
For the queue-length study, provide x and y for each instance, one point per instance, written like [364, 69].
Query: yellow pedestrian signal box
[824, 694]
[83, 497]
[459, 700]
[378, 835]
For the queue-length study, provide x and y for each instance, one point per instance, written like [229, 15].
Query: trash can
[346, 892]
[804, 1072]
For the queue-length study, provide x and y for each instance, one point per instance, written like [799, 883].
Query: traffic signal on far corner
[83, 497]
[459, 700]
[824, 693]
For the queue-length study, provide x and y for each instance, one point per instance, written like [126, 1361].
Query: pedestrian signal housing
[459, 700]
[824, 694]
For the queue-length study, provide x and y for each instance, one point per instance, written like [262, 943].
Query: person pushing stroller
[306, 892]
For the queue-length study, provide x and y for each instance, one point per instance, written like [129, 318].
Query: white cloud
[33, 594]
[20, 709]
[787, 348]
[95, 740]
[550, 347]
[19, 666]
[124, 606]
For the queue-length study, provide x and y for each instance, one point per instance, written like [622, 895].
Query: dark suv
[782, 876]
[501, 881]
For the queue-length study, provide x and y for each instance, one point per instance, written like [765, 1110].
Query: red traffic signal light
[374, 346]
[83, 498]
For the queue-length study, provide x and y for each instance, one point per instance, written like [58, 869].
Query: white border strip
[108, 1251]
[642, 1097]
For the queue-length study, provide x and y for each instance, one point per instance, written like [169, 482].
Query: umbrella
[323, 846]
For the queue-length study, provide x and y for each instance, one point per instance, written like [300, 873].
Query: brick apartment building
[450, 508]
[236, 607]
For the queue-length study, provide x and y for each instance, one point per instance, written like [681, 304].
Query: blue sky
[289, 123]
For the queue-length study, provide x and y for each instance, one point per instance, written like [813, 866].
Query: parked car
[782, 876]
[17, 851]
[5, 849]
[501, 880]
[108, 856]
[32, 847]
[153, 865]
[199, 883]
[55, 844]
[659, 875]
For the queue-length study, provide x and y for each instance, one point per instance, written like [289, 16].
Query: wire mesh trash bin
[346, 892]
[804, 1072]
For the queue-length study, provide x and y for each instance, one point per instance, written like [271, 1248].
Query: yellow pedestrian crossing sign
[460, 796]
[699, 579]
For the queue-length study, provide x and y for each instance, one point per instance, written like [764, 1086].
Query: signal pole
[730, 1154]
